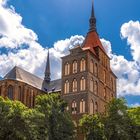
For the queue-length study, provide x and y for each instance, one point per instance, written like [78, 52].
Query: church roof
[20, 74]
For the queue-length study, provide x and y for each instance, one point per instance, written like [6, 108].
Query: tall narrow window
[104, 76]
[75, 66]
[91, 84]
[82, 65]
[82, 106]
[82, 84]
[0, 90]
[66, 87]
[91, 66]
[67, 68]
[104, 93]
[96, 107]
[10, 92]
[92, 107]
[74, 107]
[74, 85]
[112, 83]
[95, 87]
[20, 93]
[96, 69]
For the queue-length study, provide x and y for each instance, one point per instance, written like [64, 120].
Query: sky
[28, 28]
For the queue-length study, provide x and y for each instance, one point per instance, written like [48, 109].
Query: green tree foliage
[57, 121]
[134, 114]
[92, 127]
[47, 121]
[119, 123]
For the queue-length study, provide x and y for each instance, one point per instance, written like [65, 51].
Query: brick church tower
[88, 82]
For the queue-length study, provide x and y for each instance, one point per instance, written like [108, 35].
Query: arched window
[96, 69]
[74, 107]
[75, 66]
[91, 84]
[91, 66]
[104, 93]
[82, 64]
[92, 107]
[74, 85]
[0, 90]
[20, 93]
[66, 87]
[10, 92]
[96, 107]
[67, 68]
[82, 84]
[104, 76]
[82, 106]
[95, 87]
[112, 83]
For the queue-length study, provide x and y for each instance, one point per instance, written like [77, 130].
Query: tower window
[10, 92]
[67, 68]
[104, 93]
[74, 85]
[92, 107]
[91, 66]
[74, 107]
[82, 84]
[0, 90]
[91, 84]
[75, 66]
[96, 107]
[82, 65]
[96, 69]
[104, 76]
[96, 87]
[82, 106]
[66, 87]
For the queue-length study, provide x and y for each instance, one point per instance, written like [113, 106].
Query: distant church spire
[47, 70]
[92, 20]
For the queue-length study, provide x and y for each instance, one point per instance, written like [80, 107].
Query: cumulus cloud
[23, 49]
[135, 105]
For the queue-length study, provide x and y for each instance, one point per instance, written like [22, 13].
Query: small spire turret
[47, 70]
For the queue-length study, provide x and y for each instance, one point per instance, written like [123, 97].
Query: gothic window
[82, 106]
[0, 90]
[104, 93]
[96, 69]
[104, 76]
[10, 92]
[91, 107]
[96, 107]
[67, 68]
[82, 84]
[91, 66]
[74, 85]
[66, 87]
[20, 93]
[96, 87]
[75, 66]
[82, 64]
[91, 84]
[74, 107]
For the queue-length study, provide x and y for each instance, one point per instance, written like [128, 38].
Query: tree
[57, 122]
[117, 123]
[92, 127]
[134, 114]
[13, 124]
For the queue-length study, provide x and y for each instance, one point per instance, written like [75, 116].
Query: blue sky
[53, 23]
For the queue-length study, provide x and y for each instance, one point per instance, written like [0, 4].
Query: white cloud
[135, 105]
[14, 35]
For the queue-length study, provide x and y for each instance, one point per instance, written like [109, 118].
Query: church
[87, 83]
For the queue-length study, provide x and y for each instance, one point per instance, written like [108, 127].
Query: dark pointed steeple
[47, 70]
[92, 20]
